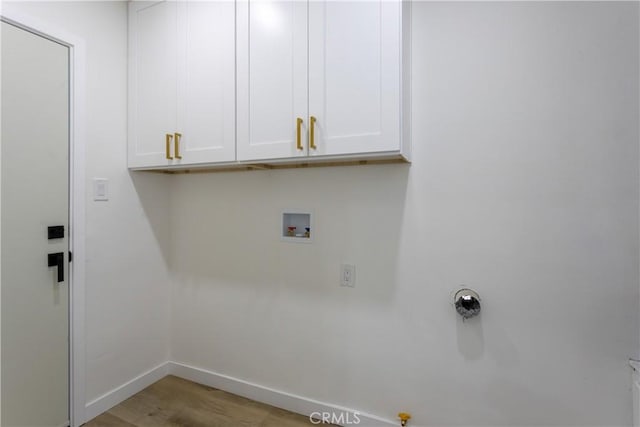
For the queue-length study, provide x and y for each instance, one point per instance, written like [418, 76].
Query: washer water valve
[404, 418]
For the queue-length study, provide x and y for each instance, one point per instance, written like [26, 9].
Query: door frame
[77, 145]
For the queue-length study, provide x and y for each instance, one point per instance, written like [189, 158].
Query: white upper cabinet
[182, 83]
[257, 81]
[337, 65]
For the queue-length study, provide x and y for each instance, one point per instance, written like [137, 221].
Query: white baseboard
[125, 391]
[279, 399]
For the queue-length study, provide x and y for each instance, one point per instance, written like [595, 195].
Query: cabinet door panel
[152, 97]
[206, 81]
[272, 78]
[354, 76]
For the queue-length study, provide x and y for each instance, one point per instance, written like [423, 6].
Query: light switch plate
[100, 189]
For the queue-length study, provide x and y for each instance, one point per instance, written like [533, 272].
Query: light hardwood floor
[173, 401]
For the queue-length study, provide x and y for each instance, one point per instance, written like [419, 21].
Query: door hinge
[70, 256]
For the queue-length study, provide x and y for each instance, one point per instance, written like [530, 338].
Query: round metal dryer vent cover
[467, 303]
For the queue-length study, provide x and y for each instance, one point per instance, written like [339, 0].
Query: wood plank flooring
[175, 402]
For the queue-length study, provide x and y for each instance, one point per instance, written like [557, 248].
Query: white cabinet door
[272, 79]
[354, 76]
[206, 81]
[152, 81]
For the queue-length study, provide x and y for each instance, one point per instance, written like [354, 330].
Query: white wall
[524, 186]
[127, 283]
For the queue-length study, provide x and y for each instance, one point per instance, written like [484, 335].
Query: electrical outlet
[348, 275]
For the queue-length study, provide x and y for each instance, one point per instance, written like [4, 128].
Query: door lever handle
[57, 260]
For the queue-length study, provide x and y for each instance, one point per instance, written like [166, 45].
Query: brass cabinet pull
[299, 133]
[168, 146]
[177, 140]
[312, 139]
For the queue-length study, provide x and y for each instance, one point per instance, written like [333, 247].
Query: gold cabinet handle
[312, 136]
[168, 146]
[177, 140]
[299, 133]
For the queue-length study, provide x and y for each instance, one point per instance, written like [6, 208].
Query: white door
[35, 196]
[354, 76]
[152, 83]
[206, 81]
[272, 79]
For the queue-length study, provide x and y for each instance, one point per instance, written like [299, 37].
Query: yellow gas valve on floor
[404, 417]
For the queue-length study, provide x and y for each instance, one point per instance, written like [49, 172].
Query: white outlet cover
[348, 275]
